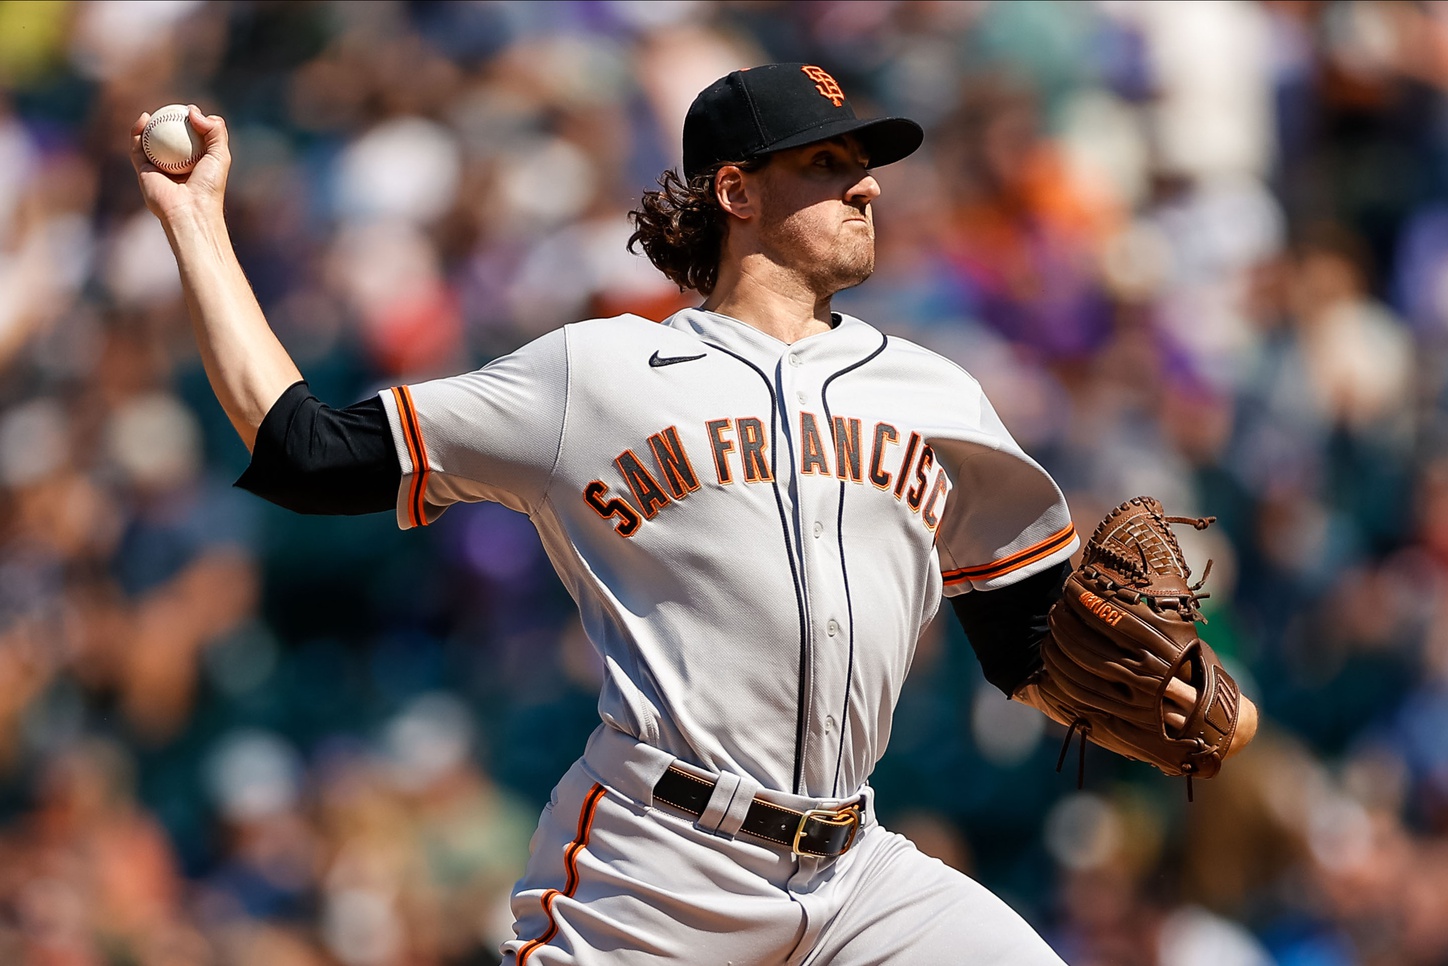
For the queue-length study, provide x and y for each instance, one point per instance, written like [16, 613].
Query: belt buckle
[829, 816]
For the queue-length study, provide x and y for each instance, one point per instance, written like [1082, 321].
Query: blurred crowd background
[1196, 250]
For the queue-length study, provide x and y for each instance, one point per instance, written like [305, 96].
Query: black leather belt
[823, 832]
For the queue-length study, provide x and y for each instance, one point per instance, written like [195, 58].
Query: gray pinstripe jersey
[755, 532]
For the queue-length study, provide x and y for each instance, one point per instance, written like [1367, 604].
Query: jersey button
[832, 628]
[829, 724]
[819, 529]
[801, 397]
[794, 360]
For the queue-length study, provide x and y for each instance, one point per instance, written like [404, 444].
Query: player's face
[815, 214]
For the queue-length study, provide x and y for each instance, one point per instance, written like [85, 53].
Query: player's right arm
[306, 456]
[492, 434]
[248, 368]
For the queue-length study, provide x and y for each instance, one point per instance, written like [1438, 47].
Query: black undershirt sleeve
[1006, 626]
[312, 458]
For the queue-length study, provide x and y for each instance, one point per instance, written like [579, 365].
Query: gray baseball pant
[616, 881]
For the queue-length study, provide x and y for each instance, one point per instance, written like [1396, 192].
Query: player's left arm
[1005, 543]
[1181, 698]
[1006, 626]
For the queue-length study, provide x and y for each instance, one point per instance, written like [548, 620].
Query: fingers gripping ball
[170, 142]
[1124, 634]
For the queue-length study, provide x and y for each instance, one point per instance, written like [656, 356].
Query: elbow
[322, 491]
[312, 459]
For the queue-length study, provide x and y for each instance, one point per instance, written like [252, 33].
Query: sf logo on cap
[825, 84]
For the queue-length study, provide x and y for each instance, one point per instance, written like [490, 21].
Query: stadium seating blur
[1196, 250]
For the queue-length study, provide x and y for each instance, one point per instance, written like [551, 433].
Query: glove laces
[1084, 727]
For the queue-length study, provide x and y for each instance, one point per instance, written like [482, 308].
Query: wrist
[193, 219]
[196, 231]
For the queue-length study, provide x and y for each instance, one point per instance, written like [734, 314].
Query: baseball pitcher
[757, 504]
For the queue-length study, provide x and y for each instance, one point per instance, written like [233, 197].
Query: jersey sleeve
[311, 458]
[1005, 518]
[492, 434]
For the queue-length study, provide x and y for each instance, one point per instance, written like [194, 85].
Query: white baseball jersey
[755, 532]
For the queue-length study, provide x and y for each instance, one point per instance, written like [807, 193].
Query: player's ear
[736, 192]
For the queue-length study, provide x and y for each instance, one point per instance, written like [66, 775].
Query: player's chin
[849, 264]
[854, 270]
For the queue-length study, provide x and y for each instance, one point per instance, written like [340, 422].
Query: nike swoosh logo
[657, 360]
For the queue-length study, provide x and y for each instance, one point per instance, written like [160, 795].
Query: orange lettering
[825, 84]
[1101, 608]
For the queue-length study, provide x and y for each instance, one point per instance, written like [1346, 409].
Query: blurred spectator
[1198, 250]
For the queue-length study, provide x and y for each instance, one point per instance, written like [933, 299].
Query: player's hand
[201, 189]
[1246, 727]
[1180, 699]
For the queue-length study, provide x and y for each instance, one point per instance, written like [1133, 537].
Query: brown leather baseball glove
[1123, 643]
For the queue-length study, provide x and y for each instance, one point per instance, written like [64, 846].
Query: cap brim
[885, 139]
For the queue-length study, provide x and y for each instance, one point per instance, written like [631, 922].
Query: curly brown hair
[681, 226]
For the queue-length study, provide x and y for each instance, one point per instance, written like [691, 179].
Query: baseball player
[757, 506]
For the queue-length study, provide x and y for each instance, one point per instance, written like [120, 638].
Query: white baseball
[170, 142]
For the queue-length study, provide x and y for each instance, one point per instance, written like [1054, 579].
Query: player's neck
[772, 301]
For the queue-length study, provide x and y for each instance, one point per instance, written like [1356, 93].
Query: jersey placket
[814, 494]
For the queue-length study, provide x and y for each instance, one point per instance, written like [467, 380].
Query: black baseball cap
[753, 112]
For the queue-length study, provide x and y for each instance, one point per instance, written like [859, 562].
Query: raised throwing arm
[248, 368]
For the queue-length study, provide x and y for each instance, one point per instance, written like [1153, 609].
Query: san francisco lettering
[660, 472]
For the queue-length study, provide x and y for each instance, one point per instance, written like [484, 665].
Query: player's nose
[866, 190]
